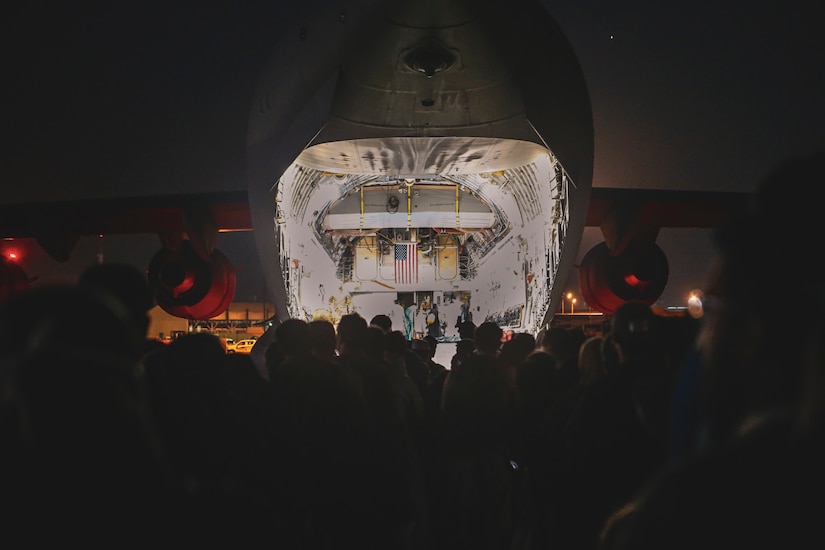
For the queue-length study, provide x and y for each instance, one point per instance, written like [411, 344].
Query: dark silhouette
[750, 468]
[488, 339]
[514, 351]
[466, 328]
[397, 356]
[433, 322]
[354, 436]
[383, 321]
[563, 344]
[535, 440]
[611, 419]
[323, 339]
[472, 507]
[213, 422]
[463, 349]
[126, 283]
[79, 438]
[591, 362]
[323, 420]
[380, 506]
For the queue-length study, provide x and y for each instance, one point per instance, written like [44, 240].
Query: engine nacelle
[187, 286]
[639, 274]
[13, 280]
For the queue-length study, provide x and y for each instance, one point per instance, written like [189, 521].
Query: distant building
[244, 318]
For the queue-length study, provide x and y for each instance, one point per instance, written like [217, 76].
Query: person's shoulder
[729, 493]
[436, 366]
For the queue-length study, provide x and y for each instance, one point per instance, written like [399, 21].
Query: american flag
[406, 262]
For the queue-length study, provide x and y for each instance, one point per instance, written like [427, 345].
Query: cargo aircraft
[397, 153]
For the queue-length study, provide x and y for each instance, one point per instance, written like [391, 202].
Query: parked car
[244, 346]
[228, 344]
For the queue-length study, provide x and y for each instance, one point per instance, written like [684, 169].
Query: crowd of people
[662, 432]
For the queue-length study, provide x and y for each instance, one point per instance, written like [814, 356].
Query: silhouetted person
[488, 339]
[321, 417]
[323, 339]
[591, 360]
[129, 285]
[397, 354]
[466, 328]
[409, 319]
[514, 351]
[463, 349]
[535, 440]
[433, 322]
[473, 504]
[751, 471]
[426, 349]
[80, 446]
[379, 508]
[473, 491]
[259, 349]
[611, 419]
[563, 344]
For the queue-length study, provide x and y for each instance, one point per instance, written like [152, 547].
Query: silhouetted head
[488, 337]
[323, 337]
[128, 284]
[561, 342]
[74, 411]
[375, 342]
[634, 328]
[517, 348]
[395, 343]
[294, 337]
[60, 319]
[757, 359]
[591, 361]
[465, 346]
[200, 353]
[422, 347]
[382, 321]
[536, 377]
[351, 333]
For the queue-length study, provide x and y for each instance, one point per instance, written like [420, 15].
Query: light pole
[569, 296]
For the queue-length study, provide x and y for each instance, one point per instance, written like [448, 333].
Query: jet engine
[638, 274]
[13, 280]
[188, 286]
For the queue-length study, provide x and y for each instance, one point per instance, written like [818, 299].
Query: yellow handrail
[361, 223]
[457, 218]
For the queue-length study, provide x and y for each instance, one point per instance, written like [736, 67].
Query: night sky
[696, 95]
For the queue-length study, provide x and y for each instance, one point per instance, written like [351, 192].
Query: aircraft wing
[629, 265]
[628, 218]
[124, 215]
[192, 278]
[665, 207]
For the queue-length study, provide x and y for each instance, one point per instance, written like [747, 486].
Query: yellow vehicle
[244, 346]
[228, 344]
